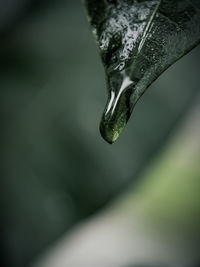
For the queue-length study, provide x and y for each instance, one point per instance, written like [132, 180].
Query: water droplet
[118, 107]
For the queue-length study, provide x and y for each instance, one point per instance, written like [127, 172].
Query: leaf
[138, 40]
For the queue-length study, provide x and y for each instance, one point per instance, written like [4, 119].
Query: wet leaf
[138, 40]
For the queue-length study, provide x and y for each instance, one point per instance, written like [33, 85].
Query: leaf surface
[137, 41]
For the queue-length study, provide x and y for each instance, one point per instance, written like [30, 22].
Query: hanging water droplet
[118, 107]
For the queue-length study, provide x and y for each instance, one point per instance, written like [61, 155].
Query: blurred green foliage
[56, 169]
[155, 222]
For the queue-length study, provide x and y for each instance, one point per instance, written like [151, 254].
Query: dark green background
[56, 168]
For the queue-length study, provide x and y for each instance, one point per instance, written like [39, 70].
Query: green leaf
[138, 40]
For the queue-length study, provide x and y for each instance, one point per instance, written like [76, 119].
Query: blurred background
[56, 168]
